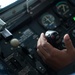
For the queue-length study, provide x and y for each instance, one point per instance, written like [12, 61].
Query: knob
[14, 42]
[52, 37]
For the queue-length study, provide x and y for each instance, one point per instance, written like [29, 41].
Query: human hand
[53, 57]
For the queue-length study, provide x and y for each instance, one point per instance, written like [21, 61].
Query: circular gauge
[62, 8]
[48, 21]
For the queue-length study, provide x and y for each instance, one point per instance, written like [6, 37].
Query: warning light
[74, 18]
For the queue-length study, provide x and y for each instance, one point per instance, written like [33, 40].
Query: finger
[40, 54]
[38, 43]
[41, 50]
[42, 36]
[68, 43]
[48, 47]
[38, 51]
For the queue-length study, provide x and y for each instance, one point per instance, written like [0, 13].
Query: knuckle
[38, 51]
[38, 46]
[44, 44]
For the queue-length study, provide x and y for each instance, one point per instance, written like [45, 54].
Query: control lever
[6, 34]
[2, 24]
[52, 37]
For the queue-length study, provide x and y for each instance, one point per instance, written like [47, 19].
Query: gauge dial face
[62, 8]
[48, 21]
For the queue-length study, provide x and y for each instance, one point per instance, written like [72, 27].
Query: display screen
[5, 3]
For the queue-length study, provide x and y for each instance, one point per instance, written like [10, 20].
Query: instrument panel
[25, 25]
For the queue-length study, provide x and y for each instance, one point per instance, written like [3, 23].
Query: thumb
[68, 43]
